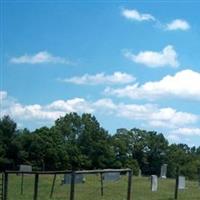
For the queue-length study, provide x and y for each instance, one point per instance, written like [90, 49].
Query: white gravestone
[25, 168]
[154, 183]
[111, 176]
[181, 182]
[79, 178]
[140, 173]
[163, 171]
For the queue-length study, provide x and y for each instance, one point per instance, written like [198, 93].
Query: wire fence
[98, 185]
[68, 185]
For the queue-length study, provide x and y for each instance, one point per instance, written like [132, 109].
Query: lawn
[91, 189]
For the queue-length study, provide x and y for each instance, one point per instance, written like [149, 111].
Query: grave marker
[79, 178]
[111, 176]
[181, 182]
[140, 173]
[25, 168]
[154, 183]
[163, 171]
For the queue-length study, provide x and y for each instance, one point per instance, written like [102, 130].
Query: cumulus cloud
[46, 113]
[155, 116]
[101, 78]
[150, 114]
[167, 57]
[39, 58]
[173, 138]
[71, 105]
[171, 118]
[186, 131]
[3, 95]
[184, 84]
[178, 24]
[136, 15]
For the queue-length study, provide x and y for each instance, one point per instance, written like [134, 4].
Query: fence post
[129, 185]
[198, 171]
[53, 185]
[177, 183]
[36, 186]
[101, 175]
[5, 185]
[22, 183]
[73, 175]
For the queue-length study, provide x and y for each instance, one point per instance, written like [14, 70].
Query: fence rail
[73, 174]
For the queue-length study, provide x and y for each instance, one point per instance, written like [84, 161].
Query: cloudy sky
[131, 64]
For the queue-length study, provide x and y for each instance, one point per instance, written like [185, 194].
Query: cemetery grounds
[91, 189]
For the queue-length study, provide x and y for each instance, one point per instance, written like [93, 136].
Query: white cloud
[167, 57]
[155, 116]
[168, 117]
[137, 16]
[184, 84]
[48, 113]
[3, 95]
[186, 131]
[150, 114]
[31, 112]
[178, 24]
[39, 58]
[71, 105]
[101, 78]
[173, 138]
[105, 103]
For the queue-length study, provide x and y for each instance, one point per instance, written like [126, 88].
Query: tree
[7, 132]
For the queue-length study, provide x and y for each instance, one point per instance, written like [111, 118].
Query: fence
[185, 188]
[180, 187]
[1, 186]
[96, 184]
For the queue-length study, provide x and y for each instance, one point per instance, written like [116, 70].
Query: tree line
[79, 142]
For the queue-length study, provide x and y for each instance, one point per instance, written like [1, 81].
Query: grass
[91, 189]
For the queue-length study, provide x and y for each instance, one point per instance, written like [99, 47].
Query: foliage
[79, 142]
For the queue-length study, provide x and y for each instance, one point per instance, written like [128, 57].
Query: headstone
[163, 171]
[111, 176]
[140, 173]
[79, 178]
[154, 183]
[25, 168]
[181, 182]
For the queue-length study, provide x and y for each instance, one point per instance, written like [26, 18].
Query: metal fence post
[36, 186]
[129, 185]
[177, 183]
[198, 172]
[73, 176]
[5, 185]
[53, 185]
[101, 175]
[22, 183]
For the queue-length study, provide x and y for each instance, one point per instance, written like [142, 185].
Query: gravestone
[25, 168]
[140, 173]
[181, 182]
[154, 183]
[163, 171]
[79, 178]
[111, 176]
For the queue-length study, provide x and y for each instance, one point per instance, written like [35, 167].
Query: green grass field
[91, 189]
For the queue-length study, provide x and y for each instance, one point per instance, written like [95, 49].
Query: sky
[129, 63]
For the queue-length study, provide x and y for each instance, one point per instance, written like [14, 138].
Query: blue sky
[131, 64]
